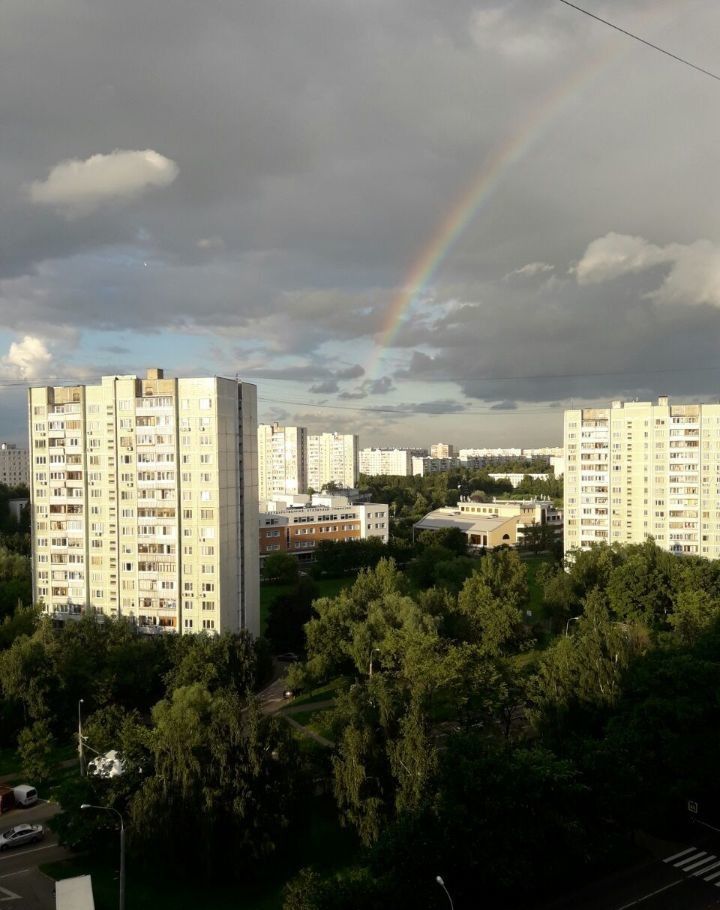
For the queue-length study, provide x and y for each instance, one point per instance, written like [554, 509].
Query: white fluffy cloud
[27, 359]
[693, 270]
[78, 187]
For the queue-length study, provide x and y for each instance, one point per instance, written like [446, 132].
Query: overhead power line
[655, 47]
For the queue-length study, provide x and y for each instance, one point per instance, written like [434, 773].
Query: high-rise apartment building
[442, 450]
[332, 458]
[390, 462]
[282, 460]
[13, 465]
[144, 501]
[637, 470]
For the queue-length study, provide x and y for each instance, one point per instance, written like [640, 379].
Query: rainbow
[481, 189]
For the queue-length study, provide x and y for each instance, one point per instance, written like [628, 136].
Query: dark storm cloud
[318, 148]
[381, 386]
[328, 387]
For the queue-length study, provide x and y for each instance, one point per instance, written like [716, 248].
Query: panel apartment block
[282, 460]
[14, 463]
[387, 462]
[333, 458]
[144, 497]
[637, 470]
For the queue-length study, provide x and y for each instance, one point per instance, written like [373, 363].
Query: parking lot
[22, 885]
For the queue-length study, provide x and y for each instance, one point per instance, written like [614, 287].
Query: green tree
[35, 744]
[281, 568]
[223, 771]
[695, 612]
[494, 622]
[288, 615]
[227, 661]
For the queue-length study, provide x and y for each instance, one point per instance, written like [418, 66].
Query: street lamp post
[374, 651]
[81, 752]
[122, 847]
[567, 624]
[439, 880]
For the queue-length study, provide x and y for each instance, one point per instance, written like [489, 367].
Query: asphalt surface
[22, 885]
[684, 876]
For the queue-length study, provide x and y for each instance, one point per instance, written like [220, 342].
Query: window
[205, 404]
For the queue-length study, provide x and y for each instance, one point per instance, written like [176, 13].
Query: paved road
[684, 877]
[22, 885]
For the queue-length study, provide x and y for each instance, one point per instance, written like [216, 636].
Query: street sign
[692, 807]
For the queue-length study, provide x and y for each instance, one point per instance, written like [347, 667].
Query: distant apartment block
[14, 463]
[636, 470]
[493, 524]
[282, 460]
[144, 501]
[388, 462]
[422, 467]
[442, 450]
[297, 529]
[332, 458]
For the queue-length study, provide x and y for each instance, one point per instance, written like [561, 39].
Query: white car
[21, 834]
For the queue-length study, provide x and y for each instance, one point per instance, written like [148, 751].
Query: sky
[408, 219]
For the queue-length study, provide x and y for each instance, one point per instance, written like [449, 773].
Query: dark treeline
[15, 569]
[199, 756]
[464, 744]
[470, 753]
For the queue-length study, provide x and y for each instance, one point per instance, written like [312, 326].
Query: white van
[25, 795]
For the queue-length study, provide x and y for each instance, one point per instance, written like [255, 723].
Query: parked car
[21, 834]
[25, 795]
[7, 799]
[288, 658]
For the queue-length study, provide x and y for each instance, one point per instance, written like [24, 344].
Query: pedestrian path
[697, 864]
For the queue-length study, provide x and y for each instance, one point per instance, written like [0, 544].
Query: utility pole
[81, 750]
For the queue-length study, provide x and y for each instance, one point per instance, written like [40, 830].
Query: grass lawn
[323, 693]
[317, 841]
[315, 720]
[327, 587]
[10, 762]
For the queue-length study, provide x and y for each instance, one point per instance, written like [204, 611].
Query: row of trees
[468, 752]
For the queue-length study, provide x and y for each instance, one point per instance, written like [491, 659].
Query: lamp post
[567, 624]
[374, 651]
[81, 752]
[439, 880]
[122, 847]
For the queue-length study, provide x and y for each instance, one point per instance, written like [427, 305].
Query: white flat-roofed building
[387, 462]
[144, 501]
[493, 524]
[636, 470]
[14, 464]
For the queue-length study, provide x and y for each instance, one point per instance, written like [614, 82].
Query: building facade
[282, 460]
[388, 462]
[333, 458]
[442, 450]
[14, 463]
[144, 501]
[493, 524]
[636, 470]
[422, 466]
[298, 530]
